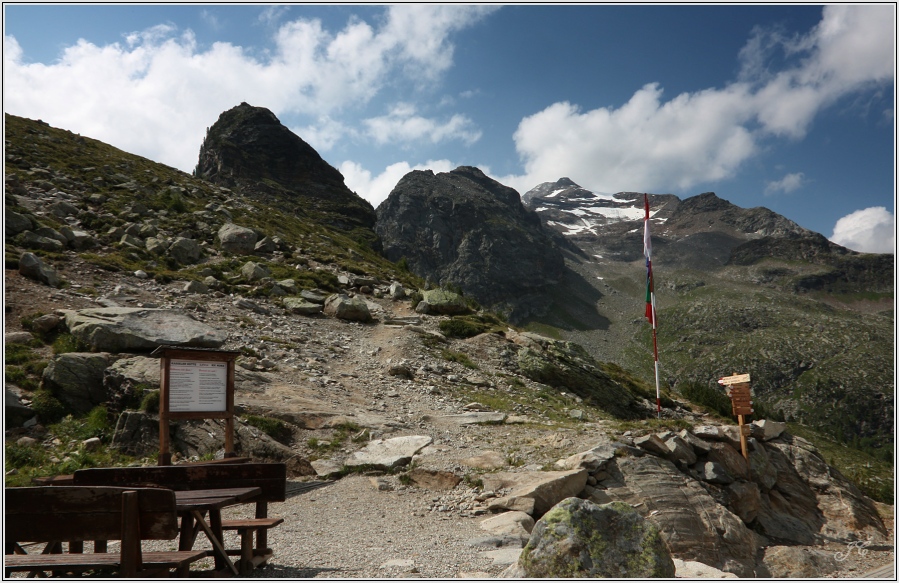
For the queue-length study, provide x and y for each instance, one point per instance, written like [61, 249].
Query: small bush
[416, 298]
[274, 428]
[459, 357]
[66, 342]
[150, 402]
[47, 407]
[462, 327]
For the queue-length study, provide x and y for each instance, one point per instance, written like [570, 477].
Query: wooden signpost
[195, 384]
[737, 387]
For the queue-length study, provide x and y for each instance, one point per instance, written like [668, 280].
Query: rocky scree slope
[464, 229]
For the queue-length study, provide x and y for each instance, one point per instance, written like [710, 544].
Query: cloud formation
[693, 138]
[787, 184]
[156, 93]
[404, 125]
[871, 230]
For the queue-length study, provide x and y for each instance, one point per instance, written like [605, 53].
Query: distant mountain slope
[737, 290]
[465, 229]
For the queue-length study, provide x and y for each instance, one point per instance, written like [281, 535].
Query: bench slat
[251, 523]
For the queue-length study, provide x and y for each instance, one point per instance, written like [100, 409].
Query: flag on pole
[651, 300]
[647, 251]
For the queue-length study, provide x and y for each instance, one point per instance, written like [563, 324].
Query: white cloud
[270, 15]
[871, 230]
[325, 133]
[649, 144]
[404, 125]
[376, 189]
[787, 184]
[156, 94]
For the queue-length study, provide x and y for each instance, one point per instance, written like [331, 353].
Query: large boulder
[546, 488]
[76, 379]
[15, 413]
[441, 302]
[16, 223]
[344, 307]
[32, 267]
[580, 539]
[140, 329]
[185, 251]
[386, 454]
[301, 306]
[236, 239]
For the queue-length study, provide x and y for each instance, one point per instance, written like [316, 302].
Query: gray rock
[265, 245]
[20, 337]
[513, 523]
[681, 452]
[546, 488]
[79, 239]
[783, 562]
[316, 296]
[15, 413]
[474, 418]
[63, 209]
[766, 430]
[32, 240]
[652, 444]
[52, 234]
[730, 459]
[699, 445]
[16, 223]
[288, 285]
[578, 538]
[236, 239]
[252, 271]
[512, 503]
[345, 308]
[442, 302]
[76, 379]
[301, 306]
[32, 267]
[397, 291]
[185, 251]
[45, 323]
[195, 287]
[714, 473]
[251, 305]
[132, 241]
[745, 500]
[327, 468]
[386, 454]
[592, 460]
[130, 329]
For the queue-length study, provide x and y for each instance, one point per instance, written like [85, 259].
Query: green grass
[459, 357]
[274, 428]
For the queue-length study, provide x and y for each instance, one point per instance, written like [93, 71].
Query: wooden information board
[195, 384]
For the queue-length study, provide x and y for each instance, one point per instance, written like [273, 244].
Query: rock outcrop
[139, 329]
[248, 149]
[463, 228]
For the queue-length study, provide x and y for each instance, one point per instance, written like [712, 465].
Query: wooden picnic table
[193, 505]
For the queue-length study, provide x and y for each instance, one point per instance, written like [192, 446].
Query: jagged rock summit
[250, 150]
[464, 228]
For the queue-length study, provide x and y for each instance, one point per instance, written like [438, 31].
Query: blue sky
[787, 107]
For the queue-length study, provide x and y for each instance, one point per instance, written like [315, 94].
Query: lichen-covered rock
[578, 538]
[76, 379]
[136, 329]
[185, 251]
[236, 239]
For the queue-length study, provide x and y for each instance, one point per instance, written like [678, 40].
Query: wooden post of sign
[195, 384]
[738, 389]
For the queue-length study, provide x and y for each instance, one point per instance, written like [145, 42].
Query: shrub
[461, 327]
[274, 428]
[150, 402]
[65, 342]
[706, 396]
[47, 407]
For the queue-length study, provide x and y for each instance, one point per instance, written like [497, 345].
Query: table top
[186, 500]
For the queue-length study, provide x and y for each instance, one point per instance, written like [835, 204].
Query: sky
[786, 107]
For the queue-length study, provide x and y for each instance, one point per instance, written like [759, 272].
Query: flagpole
[651, 298]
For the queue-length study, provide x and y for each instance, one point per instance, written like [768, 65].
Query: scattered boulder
[15, 413]
[185, 251]
[386, 454]
[434, 479]
[76, 379]
[16, 223]
[33, 240]
[546, 488]
[237, 240]
[136, 329]
[344, 307]
[442, 302]
[32, 267]
[252, 271]
[301, 306]
[580, 539]
[513, 523]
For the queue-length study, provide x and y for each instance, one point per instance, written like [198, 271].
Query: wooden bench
[74, 514]
[270, 477]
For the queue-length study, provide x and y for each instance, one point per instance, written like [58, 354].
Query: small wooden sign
[195, 384]
[734, 380]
